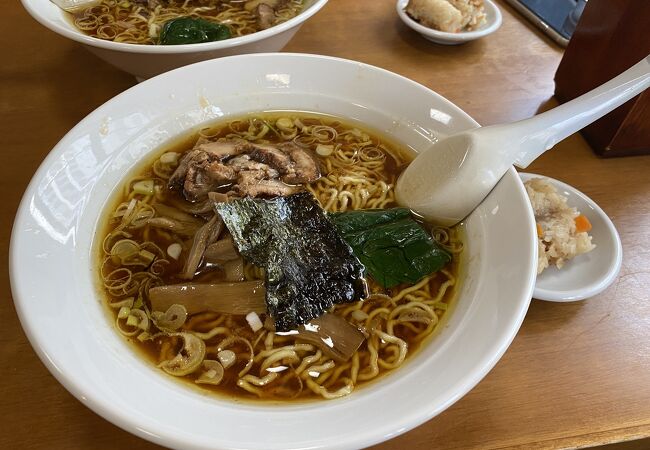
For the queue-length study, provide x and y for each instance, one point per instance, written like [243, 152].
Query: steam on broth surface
[181, 21]
[180, 290]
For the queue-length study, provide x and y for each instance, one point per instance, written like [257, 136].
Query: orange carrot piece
[582, 223]
[539, 230]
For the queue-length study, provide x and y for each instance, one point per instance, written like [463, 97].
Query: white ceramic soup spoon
[446, 182]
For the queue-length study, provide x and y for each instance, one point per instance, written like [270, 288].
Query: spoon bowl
[454, 176]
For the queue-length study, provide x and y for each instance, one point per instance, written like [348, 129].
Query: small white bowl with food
[579, 249]
[450, 22]
[185, 183]
[148, 37]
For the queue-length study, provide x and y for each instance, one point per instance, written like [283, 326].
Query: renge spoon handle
[447, 181]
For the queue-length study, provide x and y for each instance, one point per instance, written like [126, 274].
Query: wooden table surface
[577, 374]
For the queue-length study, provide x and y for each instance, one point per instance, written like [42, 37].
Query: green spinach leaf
[391, 244]
[190, 30]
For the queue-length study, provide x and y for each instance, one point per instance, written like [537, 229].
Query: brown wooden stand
[612, 35]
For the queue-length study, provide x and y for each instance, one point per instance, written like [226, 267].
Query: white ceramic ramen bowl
[493, 21]
[145, 61]
[66, 322]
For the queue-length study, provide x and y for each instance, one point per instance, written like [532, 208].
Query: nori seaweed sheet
[309, 267]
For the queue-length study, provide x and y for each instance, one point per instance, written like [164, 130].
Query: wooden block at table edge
[609, 38]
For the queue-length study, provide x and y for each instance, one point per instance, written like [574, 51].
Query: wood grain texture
[616, 30]
[576, 375]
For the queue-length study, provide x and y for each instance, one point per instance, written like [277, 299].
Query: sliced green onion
[169, 158]
[213, 373]
[128, 302]
[141, 318]
[254, 321]
[285, 124]
[124, 312]
[131, 332]
[227, 358]
[188, 359]
[144, 187]
[132, 321]
[262, 133]
[174, 250]
[147, 256]
[324, 150]
[172, 319]
[123, 250]
[144, 336]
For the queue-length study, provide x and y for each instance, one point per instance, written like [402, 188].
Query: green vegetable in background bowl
[190, 30]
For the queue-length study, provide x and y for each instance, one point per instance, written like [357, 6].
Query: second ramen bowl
[145, 61]
[66, 322]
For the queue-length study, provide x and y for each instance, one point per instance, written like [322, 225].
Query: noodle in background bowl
[145, 61]
[66, 322]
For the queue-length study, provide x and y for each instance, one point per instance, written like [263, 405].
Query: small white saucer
[493, 22]
[585, 275]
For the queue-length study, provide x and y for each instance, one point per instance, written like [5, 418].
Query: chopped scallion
[132, 321]
[144, 187]
[169, 158]
[124, 312]
[147, 256]
[254, 321]
[285, 124]
[174, 250]
[324, 150]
